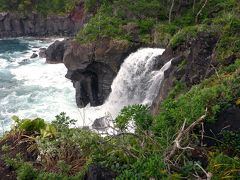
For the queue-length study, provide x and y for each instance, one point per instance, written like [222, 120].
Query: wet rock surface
[55, 52]
[34, 55]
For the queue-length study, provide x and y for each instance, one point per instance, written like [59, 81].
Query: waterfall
[137, 82]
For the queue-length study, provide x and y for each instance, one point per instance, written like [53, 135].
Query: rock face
[42, 52]
[55, 52]
[32, 24]
[34, 55]
[192, 62]
[92, 68]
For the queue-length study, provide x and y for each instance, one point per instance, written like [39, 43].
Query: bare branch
[208, 174]
[200, 11]
[170, 11]
[176, 146]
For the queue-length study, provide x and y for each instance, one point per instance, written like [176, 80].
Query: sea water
[31, 88]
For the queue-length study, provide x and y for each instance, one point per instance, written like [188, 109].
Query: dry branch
[170, 11]
[200, 11]
[177, 142]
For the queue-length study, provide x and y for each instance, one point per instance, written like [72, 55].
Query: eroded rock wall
[33, 24]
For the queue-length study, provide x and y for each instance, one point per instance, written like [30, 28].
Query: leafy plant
[139, 114]
[63, 122]
[29, 125]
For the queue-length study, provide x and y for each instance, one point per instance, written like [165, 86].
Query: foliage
[229, 43]
[67, 151]
[29, 125]
[62, 121]
[139, 114]
[111, 16]
[217, 16]
[101, 25]
[186, 34]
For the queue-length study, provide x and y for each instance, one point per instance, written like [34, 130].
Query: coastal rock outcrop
[34, 24]
[55, 52]
[93, 66]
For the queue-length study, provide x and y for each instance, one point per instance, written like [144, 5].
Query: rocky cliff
[33, 24]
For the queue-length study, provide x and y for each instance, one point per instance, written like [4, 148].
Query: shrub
[101, 25]
[29, 125]
[139, 114]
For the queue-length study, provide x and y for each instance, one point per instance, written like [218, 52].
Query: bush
[139, 114]
[29, 125]
[101, 25]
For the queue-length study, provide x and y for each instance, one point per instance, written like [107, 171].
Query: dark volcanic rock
[55, 52]
[99, 123]
[34, 55]
[92, 68]
[191, 63]
[98, 173]
[42, 52]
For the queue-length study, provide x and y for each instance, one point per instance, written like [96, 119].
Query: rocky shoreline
[38, 25]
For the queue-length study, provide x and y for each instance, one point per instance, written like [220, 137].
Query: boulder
[55, 52]
[42, 52]
[34, 55]
[96, 172]
[93, 66]
[102, 123]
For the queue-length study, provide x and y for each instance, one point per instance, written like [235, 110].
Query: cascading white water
[137, 82]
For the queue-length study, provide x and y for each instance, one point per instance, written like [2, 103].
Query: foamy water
[31, 88]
